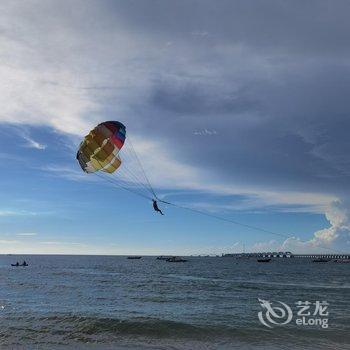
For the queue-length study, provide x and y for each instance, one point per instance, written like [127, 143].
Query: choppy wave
[203, 304]
[246, 283]
[77, 324]
[135, 326]
[68, 329]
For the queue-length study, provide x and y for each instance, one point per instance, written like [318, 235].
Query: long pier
[285, 255]
[326, 256]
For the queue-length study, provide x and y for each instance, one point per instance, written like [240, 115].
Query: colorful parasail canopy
[99, 149]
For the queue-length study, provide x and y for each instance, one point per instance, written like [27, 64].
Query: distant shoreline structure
[282, 255]
[277, 255]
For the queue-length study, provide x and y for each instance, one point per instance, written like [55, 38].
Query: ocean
[110, 302]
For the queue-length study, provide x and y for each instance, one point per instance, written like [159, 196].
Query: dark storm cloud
[293, 133]
[286, 26]
[271, 78]
[199, 100]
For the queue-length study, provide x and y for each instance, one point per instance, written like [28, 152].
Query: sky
[239, 109]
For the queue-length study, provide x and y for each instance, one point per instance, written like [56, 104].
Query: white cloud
[62, 243]
[7, 213]
[67, 172]
[334, 239]
[6, 241]
[338, 234]
[50, 242]
[27, 234]
[165, 172]
[269, 246]
[34, 144]
[60, 72]
[17, 213]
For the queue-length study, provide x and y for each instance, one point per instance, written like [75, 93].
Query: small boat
[162, 257]
[17, 265]
[320, 260]
[342, 261]
[175, 259]
[134, 257]
[264, 260]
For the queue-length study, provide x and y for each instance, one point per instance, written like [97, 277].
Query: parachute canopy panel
[99, 149]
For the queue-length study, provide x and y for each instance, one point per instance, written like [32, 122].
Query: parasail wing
[99, 149]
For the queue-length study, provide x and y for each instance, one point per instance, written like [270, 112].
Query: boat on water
[320, 260]
[175, 259]
[17, 264]
[134, 257]
[264, 260]
[342, 261]
[162, 257]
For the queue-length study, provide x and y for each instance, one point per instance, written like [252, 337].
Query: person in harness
[155, 206]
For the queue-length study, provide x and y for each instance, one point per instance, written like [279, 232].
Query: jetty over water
[285, 255]
[326, 256]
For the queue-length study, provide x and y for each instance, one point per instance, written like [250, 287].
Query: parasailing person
[155, 206]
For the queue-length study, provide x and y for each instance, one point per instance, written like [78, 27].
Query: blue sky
[239, 109]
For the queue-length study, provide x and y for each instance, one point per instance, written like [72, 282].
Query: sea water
[110, 302]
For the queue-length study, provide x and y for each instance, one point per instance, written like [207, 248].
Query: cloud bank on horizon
[237, 97]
